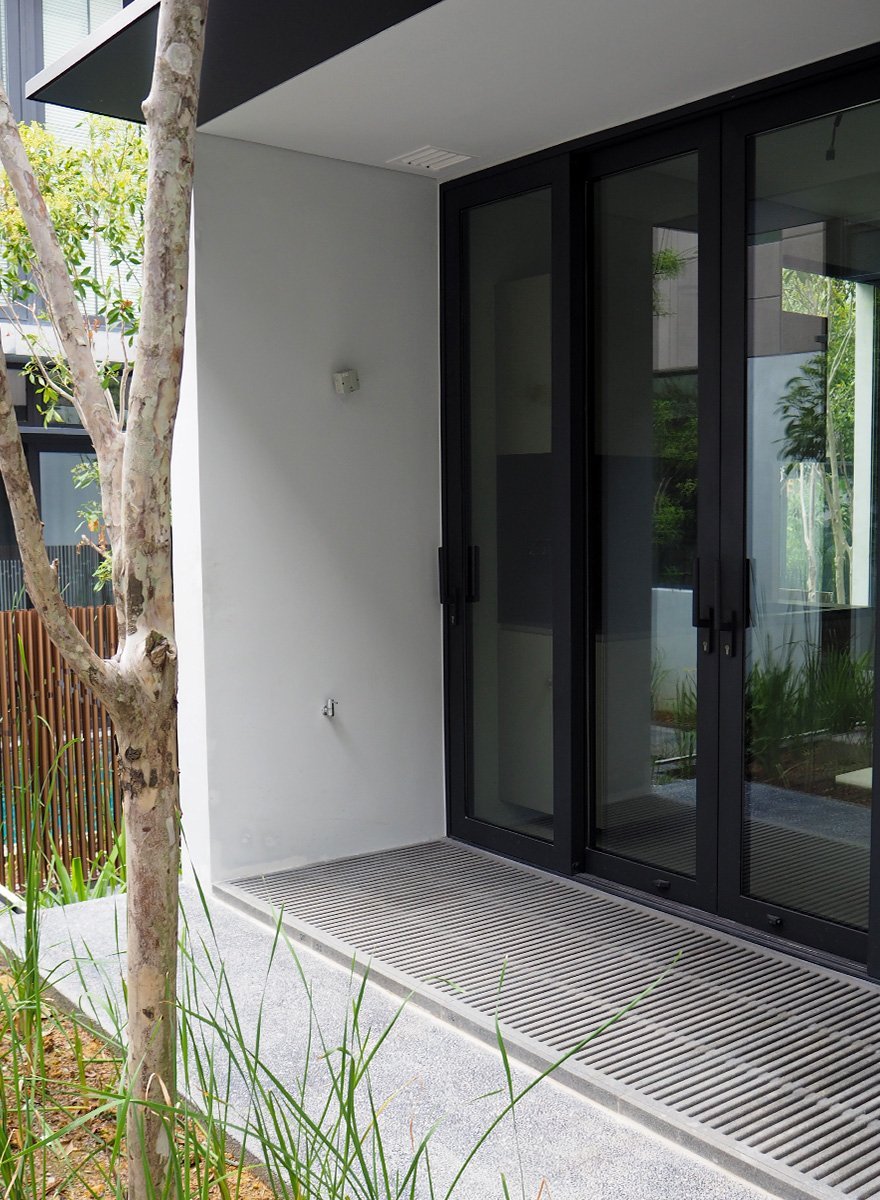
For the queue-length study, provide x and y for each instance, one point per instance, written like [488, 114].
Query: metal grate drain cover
[765, 1064]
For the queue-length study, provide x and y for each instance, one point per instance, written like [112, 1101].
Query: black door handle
[726, 624]
[702, 615]
[727, 634]
[449, 596]
[472, 590]
[734, 621]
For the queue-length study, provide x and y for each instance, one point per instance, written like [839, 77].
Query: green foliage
[684, 719]
[83, 882]
[659, 676]
[666, 263]
[675, 446]
[319, 1138]
[675, 477]
[791, 706]
[833, 384]
[774, 709]
[85, 475]
[803, 411]
[817, 410]
[838, 692]
[95, 191]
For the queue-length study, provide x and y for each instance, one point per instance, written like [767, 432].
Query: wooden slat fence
[48, 718]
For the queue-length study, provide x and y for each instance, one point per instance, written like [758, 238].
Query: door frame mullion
[732, 514]
[874, 881]
[709, 491]
[568, 355]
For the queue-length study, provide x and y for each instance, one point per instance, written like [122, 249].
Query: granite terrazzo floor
[570, 1148]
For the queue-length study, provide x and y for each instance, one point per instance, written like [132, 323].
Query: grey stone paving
[572, 1148]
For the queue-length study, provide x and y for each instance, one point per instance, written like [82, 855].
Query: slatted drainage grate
[766, 1064]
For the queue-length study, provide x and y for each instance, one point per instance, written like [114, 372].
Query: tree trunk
[150, 796]
[139, 684]
[808, 517]
[835, 512]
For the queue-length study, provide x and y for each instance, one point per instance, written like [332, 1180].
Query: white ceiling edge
[497, 79]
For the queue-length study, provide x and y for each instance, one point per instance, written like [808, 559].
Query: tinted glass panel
[645, 468]
[814, 265]
[511, 613]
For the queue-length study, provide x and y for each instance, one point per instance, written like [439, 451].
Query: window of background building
[34, 33]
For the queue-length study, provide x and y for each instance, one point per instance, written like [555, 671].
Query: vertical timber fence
[57, 747]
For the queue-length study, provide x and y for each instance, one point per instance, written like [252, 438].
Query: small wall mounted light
[346, 381]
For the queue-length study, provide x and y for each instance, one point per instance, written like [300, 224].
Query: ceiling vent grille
[429, 158]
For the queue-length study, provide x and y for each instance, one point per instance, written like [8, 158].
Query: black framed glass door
[797, 775]
[652, 537]
[660, 559]
[506, 560]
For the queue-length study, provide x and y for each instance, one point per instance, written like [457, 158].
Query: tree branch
[92, 404]
[95, 412]
[171, 111]
[40, 576]
[31, 340]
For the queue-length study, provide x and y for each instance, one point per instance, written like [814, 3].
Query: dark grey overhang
[249, 48]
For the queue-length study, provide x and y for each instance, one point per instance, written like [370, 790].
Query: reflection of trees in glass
[675, 430]
[818, 414]
[809, 716]
[675, 477]
[666, 263]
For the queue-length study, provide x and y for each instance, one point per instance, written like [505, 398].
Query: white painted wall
[320, 514]
[188, 603]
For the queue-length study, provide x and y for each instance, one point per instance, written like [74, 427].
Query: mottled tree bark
[139, 685]
[148, 773]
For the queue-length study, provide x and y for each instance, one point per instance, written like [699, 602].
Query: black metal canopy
[249, 48]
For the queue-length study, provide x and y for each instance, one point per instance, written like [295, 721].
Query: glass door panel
[813, 271]
[509, 587]
[729, 572]
[644, 466]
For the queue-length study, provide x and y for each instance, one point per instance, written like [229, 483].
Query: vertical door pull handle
[472, 591]
[448, 595]
[733, 622]
[442, 575]
[701, 615]
[726, 620]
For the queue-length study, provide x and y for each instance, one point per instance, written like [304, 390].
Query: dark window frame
[841, 81]
[37, 439]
